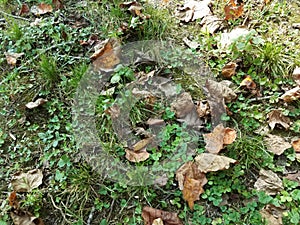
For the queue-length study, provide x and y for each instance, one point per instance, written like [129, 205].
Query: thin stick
[90, 218]
[61, 211]
[13, 16]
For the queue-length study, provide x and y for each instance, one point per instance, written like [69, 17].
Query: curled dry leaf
[291, 95]
[276, 144]
[296, 145]
[24, 9]
[41, 9]
[229, 136]
[296, 75]
[106, 56]
[272, 215]
[13, 201]
[207, 162]
[276, 117]
[149, 214]
[36, 103]
[233, 11]
[203, 109]
[25, 182]
[268, 182]
[25, 218]
[138, 156]
[248, 83]
[12, 58]
[229, 70]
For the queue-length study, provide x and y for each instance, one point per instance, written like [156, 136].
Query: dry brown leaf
[193, 10]
[141, 144]
[214, 140]
[106, 56]
[276, 117]
[114, 111]
[149, 214]
[203, 109]
[155, 122]
[36, 103]
[158, 221]
[296, 75]
[276, 144]
[233, 11]
[182, 105]
[291, 95]
[58, 4]
[12, 58]
[229, 70]
[13, 201]
[24, 9]
[248, 83]
[268, 182]
[41, 9]
[192, 190]
[208, 162]
[229, 136]
[294, 177]
[272, 215]
[211, 24]
[296, 145]
[138, 156]
[25, 218]
[135, 9]
[25, 182]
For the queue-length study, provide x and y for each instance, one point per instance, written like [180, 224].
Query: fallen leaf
[36, 103]
[158, 221]
[135, 9]
[268, 182]
[41, 9]
[294, 177]
[155, 122]
[12, 58]
[214, 140]
[13, 202]
[276, 117]
[208, 162]
[276, 144]
[141, 144]
[24, 9]
[229, 70]
[114, 111]
[193, 10]
[296, 145]
[233, 11]
[106, 55]
[191, 44]
[58, 4]
[248, 83]
[211, 24]
[296, 75]
[291, 95]
[149, 214]
[25, 218]
[203, 109]
[229, 136]
[226, 39]
[25, 182]
[272, 215]
[191, 191]
[138, 156]
[182, 105]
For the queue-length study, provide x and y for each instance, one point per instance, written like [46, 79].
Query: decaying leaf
[248, 83]
[276, 144]
[294, 177]
[182, 105]
[25, 218]
[13, 202]
[138, 156]
[226, 39]
[272, 215]
[233, 11]
[12, 58]
[191, 191]
[41, 9]
[211, 23]
[141, 144]
[135, 8]
[158, 221]
[220, 136]
[25, 182]
[58, 4]
[229, 70]
[36, 103]
[106, 55]
[193, 10]
[269, 182]
[291, 95]
[276, 117]
[150, 214]
[191, 44]
[296, 145]
[208, 162]
[24, 9]
[296, 75]
[203, 109]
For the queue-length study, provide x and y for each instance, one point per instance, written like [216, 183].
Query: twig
[61, 211]
[111, 209]
[13, 16]
[90, 218]
[259, 98]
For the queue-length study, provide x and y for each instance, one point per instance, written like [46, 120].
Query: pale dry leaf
[25, 218]
[221, 89]
[208, 162]
[155, 122]
[296, 145]
[41, 9]
[276, 117]
[229, 136]
[182, 105]
[276, 144]
[158, 221]
[193, 10]
[229, 70]
[203, 109]
[291, 95]
[294, 177]
[272, 215]
[12, 58]
[141, 144]
[36, 103]
[296, 75]
[211, 24]
[191, 44]
[226, 39]
[214, 140]
[138, 156]
[26, 182]
[149, 214]
[268, 182]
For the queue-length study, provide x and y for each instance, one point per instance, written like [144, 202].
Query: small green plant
[49, 70]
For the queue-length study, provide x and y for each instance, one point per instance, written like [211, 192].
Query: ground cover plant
[209, 102]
